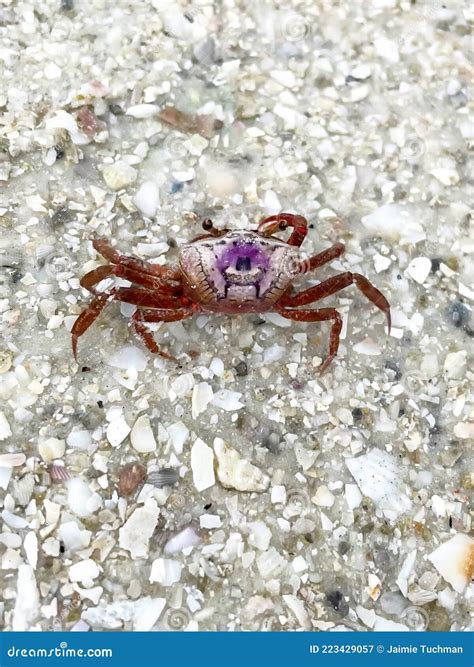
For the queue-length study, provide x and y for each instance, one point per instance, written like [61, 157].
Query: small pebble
[163, 477]
[241, 369]
[130, 478]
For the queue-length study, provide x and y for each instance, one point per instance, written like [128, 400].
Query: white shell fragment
[136, 532]
[259, 535]
[147, 198]
[165, 571]
[119, 175]
[129, 358]
[27, 599]
[141, 435]
[419, 269]
[227, 400]
[378, 476]
[235, 472]
[454, 560]
[117, 431]
[30, 545]
[202, 396]
[178, 434]
[5, 430]
[183, 540]
[12, 460]
[51, 449]
[455, 364]
[142, 614]
[142, 110]
[85, 571]
[202, 464]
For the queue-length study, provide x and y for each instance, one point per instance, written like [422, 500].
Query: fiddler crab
[224, 271]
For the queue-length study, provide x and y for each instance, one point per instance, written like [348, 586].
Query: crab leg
[88, 317]
[164, 314]
[322, 258]
[158, 315]
[123, 271]
[335, 284]
[104, 247]
[319, 315]
[94, 277]
[132, 295]
[274, 223]
[148, 299]
[140, 277]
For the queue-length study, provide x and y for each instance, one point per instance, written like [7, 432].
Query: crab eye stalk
[207, 225]
[282, 225]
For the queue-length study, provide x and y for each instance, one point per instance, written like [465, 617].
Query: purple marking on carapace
[241, 251]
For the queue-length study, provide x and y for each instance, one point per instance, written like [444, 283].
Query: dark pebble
[116, 109]
[242, 369]
[357, 414]
[61, 216]
[272, 442]
[393, 366]
[100, 404]
[435, 264]
[176, 187]
[343, 547]
[459, 314]
[337, 602]
[16, 276]
[66, 5]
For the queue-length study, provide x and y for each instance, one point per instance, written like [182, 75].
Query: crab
[224, 271]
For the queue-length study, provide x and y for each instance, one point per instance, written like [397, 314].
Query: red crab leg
[164, 314]
[158, 315]
[163, 280]
[322, 258]
[130, 295]
[123, 271]
[104, 247]
[274, 223]
[148, 299]
[93, 277]
[320, 315]
[88, 316]
[335, 284]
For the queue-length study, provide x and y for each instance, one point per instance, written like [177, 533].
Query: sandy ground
[239, 489]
